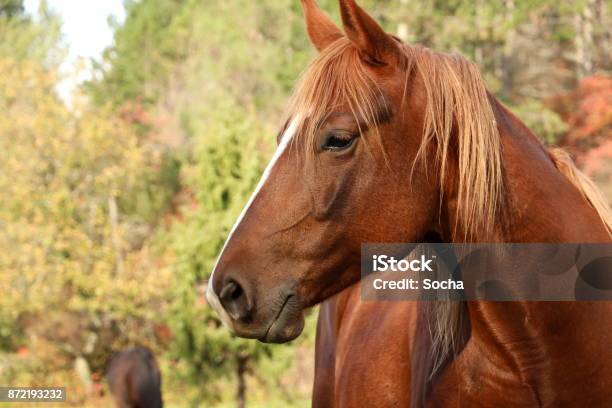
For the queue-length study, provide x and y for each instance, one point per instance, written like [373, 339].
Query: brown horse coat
[355, 370]
[134, 379]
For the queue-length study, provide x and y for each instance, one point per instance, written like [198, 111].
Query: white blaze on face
[212, 297]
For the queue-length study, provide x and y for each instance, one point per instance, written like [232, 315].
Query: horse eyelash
[342, 134]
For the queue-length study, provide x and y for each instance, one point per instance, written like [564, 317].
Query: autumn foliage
[588, 112]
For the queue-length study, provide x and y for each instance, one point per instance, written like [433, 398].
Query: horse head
[366, 155]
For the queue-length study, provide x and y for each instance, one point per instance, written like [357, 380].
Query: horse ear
[321, 30]
[375, 44]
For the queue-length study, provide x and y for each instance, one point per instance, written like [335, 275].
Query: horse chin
[288, 324]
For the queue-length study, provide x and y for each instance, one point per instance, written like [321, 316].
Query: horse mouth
[288, 323]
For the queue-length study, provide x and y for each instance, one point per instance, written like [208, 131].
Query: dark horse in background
[389, 142]
[134, 379]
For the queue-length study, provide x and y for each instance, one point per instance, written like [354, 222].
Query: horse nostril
[231, 290]
[235, 300]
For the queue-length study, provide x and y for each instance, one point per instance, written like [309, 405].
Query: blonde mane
[585, 185]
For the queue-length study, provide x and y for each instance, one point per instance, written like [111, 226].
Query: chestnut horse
[388, 142]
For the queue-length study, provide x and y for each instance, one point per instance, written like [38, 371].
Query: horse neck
[542, 206]
[539, 204]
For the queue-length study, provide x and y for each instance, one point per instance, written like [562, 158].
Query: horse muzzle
[277, 319]
[288, 324]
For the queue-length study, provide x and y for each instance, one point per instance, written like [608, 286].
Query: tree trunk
[478, 41]
[583, 25]
[81, 367]
[604, 40]
[241, 371]
[507, 63]
[113, 215]
[402, 27]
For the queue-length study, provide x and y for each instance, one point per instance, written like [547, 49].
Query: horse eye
[336, 141]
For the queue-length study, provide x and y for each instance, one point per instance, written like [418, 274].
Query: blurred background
[132, 133]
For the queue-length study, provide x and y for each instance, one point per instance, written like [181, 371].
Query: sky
[85, 32]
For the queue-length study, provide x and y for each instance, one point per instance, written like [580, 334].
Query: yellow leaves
[60, 244]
